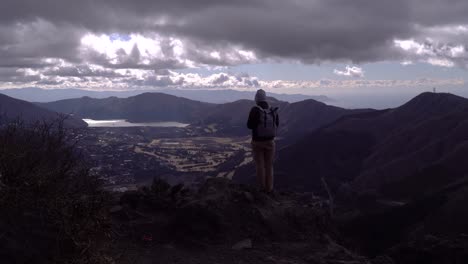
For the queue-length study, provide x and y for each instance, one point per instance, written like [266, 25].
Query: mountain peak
[430, 97]
[432, 103]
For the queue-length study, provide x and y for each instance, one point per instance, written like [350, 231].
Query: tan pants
[263, 154]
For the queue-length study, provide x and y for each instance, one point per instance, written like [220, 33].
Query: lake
[125, 123]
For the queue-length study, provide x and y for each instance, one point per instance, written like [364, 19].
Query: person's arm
[253, 118]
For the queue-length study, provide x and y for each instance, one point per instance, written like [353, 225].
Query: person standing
[263, 121]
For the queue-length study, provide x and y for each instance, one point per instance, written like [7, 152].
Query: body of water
[125, 123]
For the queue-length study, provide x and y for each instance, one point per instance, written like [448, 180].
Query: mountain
[403, 169]
[390, 151]
[209, 96]
[145, 107]
[231, 118]
[297, 119]
[226, 96]
[300, 118]
[11, 108]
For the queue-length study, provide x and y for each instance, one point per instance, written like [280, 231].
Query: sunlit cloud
[350, 71]
[444, 46]
[156, 51]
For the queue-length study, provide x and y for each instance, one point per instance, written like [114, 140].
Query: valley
[127, 157]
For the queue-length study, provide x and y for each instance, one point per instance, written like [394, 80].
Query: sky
[332, 47]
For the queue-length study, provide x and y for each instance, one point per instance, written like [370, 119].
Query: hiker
[263, 121]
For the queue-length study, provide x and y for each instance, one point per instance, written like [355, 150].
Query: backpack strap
[257, 106]
[273, 112]
[266, 110]
[265, 113]
[263, 110]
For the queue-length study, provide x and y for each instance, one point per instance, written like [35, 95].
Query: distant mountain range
[11, 109]
[209, 96]
[147, 107]
[297, 119]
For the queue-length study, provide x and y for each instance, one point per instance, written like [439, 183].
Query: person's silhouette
[263, 121]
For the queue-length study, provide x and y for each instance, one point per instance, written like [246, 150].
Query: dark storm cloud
[108, 15]
[439, 12]
[44, 34]
[310, 31]
[29, 44]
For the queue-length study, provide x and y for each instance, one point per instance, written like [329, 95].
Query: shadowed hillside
[384, 147]
[11, 109]
[402, 168]
[299, 119]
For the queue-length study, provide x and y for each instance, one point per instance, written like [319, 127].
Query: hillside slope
[403, 169]
[374, 150]
[11, 108]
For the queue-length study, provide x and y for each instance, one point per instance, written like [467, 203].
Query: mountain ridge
[386, 135]
[40, 95]
[296, 118]
[13, 109]
[139, 108]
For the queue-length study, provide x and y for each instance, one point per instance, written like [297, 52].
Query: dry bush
[51, 208]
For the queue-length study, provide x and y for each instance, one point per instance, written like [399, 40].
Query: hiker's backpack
[266, 128]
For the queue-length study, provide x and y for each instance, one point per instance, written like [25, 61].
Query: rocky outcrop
[228, 223]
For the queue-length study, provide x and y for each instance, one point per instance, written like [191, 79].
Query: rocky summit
[222, 222]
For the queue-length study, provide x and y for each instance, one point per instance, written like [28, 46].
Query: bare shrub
[51, 208]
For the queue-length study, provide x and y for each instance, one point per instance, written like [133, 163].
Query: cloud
[356, 83]
[444, 46]
[87, 41]
[97, 78]
[350, 71]
[309, 31]
[156, 51]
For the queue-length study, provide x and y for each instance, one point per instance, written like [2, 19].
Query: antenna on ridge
[434, 90]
